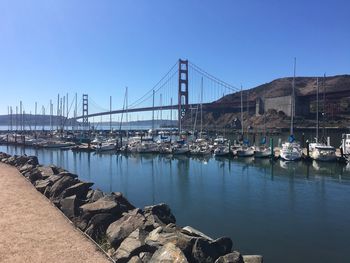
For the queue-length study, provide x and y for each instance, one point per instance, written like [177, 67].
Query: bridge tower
[183, 91]
[85, 111]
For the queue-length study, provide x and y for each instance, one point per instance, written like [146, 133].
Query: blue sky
[99, 47]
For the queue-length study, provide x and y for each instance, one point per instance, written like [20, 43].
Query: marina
[252, 200]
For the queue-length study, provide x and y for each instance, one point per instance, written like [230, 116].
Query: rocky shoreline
[124, 232]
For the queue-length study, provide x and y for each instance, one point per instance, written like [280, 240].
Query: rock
[26, 168]
[206, 251]
[102, 205]
[123, 201]
[33, 175]
[135, 259]
[234, 257]
[56, 170]
[33, 160]
[157, 215]
[252, 259]
[98, 225]
[160, 236]
[223, 245]
[20, 160]
[60, 185]
[123, 227]
[65, 173]
[188, 230]
[94, 195]
[132, 246]
[145, 256]
[79, 189]
[41, 185]
[168, 253]
[46, 171]
[69, 206]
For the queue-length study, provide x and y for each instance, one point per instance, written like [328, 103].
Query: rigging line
[150, 96]
[202, 71]
[151, 90]
[96, 105]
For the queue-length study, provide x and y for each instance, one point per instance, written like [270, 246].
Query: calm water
[288, 212]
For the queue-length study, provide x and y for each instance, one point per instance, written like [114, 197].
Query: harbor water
[288, 212]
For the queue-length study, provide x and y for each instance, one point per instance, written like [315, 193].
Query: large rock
[33, 175]
[45, 171]
[124, 203]
[234, 257]
[26, 168]
[252, 259]
[41, 185]
[168, 253]
[20, 160]
[159, 215]
[102, 205]
[207, 251]
[79, 189]
[188, 230]
[94, 195]
[33, 160]
[123, 227]
[132, 246]
[98, 224]
[60, 185]
[169, 234]
[69, 206]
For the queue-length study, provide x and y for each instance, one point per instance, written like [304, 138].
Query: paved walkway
[32, 230]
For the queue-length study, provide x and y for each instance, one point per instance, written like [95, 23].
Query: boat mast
[292, 99]
[126, 117]
[317, 121]
[153, 112]
[201, 107]
[324, 106]
[110, 113]
[242, 110]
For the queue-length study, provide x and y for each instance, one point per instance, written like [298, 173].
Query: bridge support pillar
[85, 111]
[183, 91]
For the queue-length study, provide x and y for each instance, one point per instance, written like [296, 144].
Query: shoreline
[126, 233]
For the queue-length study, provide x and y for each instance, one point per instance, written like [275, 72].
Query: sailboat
[245, 150]
[291, 150]
[263, 151]
[320, 151]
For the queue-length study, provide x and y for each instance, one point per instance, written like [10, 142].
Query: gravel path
[33, 230]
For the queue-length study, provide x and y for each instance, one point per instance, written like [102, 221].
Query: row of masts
[18, 120]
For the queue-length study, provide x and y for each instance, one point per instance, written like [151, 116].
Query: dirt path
[32, 230]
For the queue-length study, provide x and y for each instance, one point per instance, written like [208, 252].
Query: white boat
[291, 151]
[345, 146]
[262, 151]
[245, 151]
[222, 150]
[55, 144]
[322, 152]
[180, 148]
[147, 147]
[104, 147]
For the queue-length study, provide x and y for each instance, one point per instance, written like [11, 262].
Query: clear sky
[99, 47]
